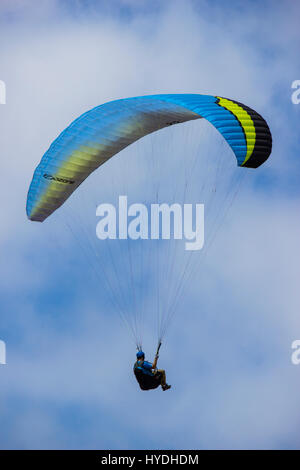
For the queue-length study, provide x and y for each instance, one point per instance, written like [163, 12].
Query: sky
[68, 381]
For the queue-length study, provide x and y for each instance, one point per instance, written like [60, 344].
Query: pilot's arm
[155, 362]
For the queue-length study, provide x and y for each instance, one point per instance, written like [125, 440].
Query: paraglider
[147, 374]
[99, 134]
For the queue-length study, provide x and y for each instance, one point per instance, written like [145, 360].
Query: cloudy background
[68, 381]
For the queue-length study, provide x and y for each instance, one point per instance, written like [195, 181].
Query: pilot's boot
[165, 387]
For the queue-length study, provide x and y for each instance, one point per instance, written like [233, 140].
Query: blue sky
[68, 380]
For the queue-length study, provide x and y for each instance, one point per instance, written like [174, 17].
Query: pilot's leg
[163, 379]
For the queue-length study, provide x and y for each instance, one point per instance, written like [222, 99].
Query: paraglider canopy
[102, 132]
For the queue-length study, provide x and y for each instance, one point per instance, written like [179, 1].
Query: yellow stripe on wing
[69, 171]
[245, 121]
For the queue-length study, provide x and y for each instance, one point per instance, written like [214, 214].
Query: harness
[146, 379]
